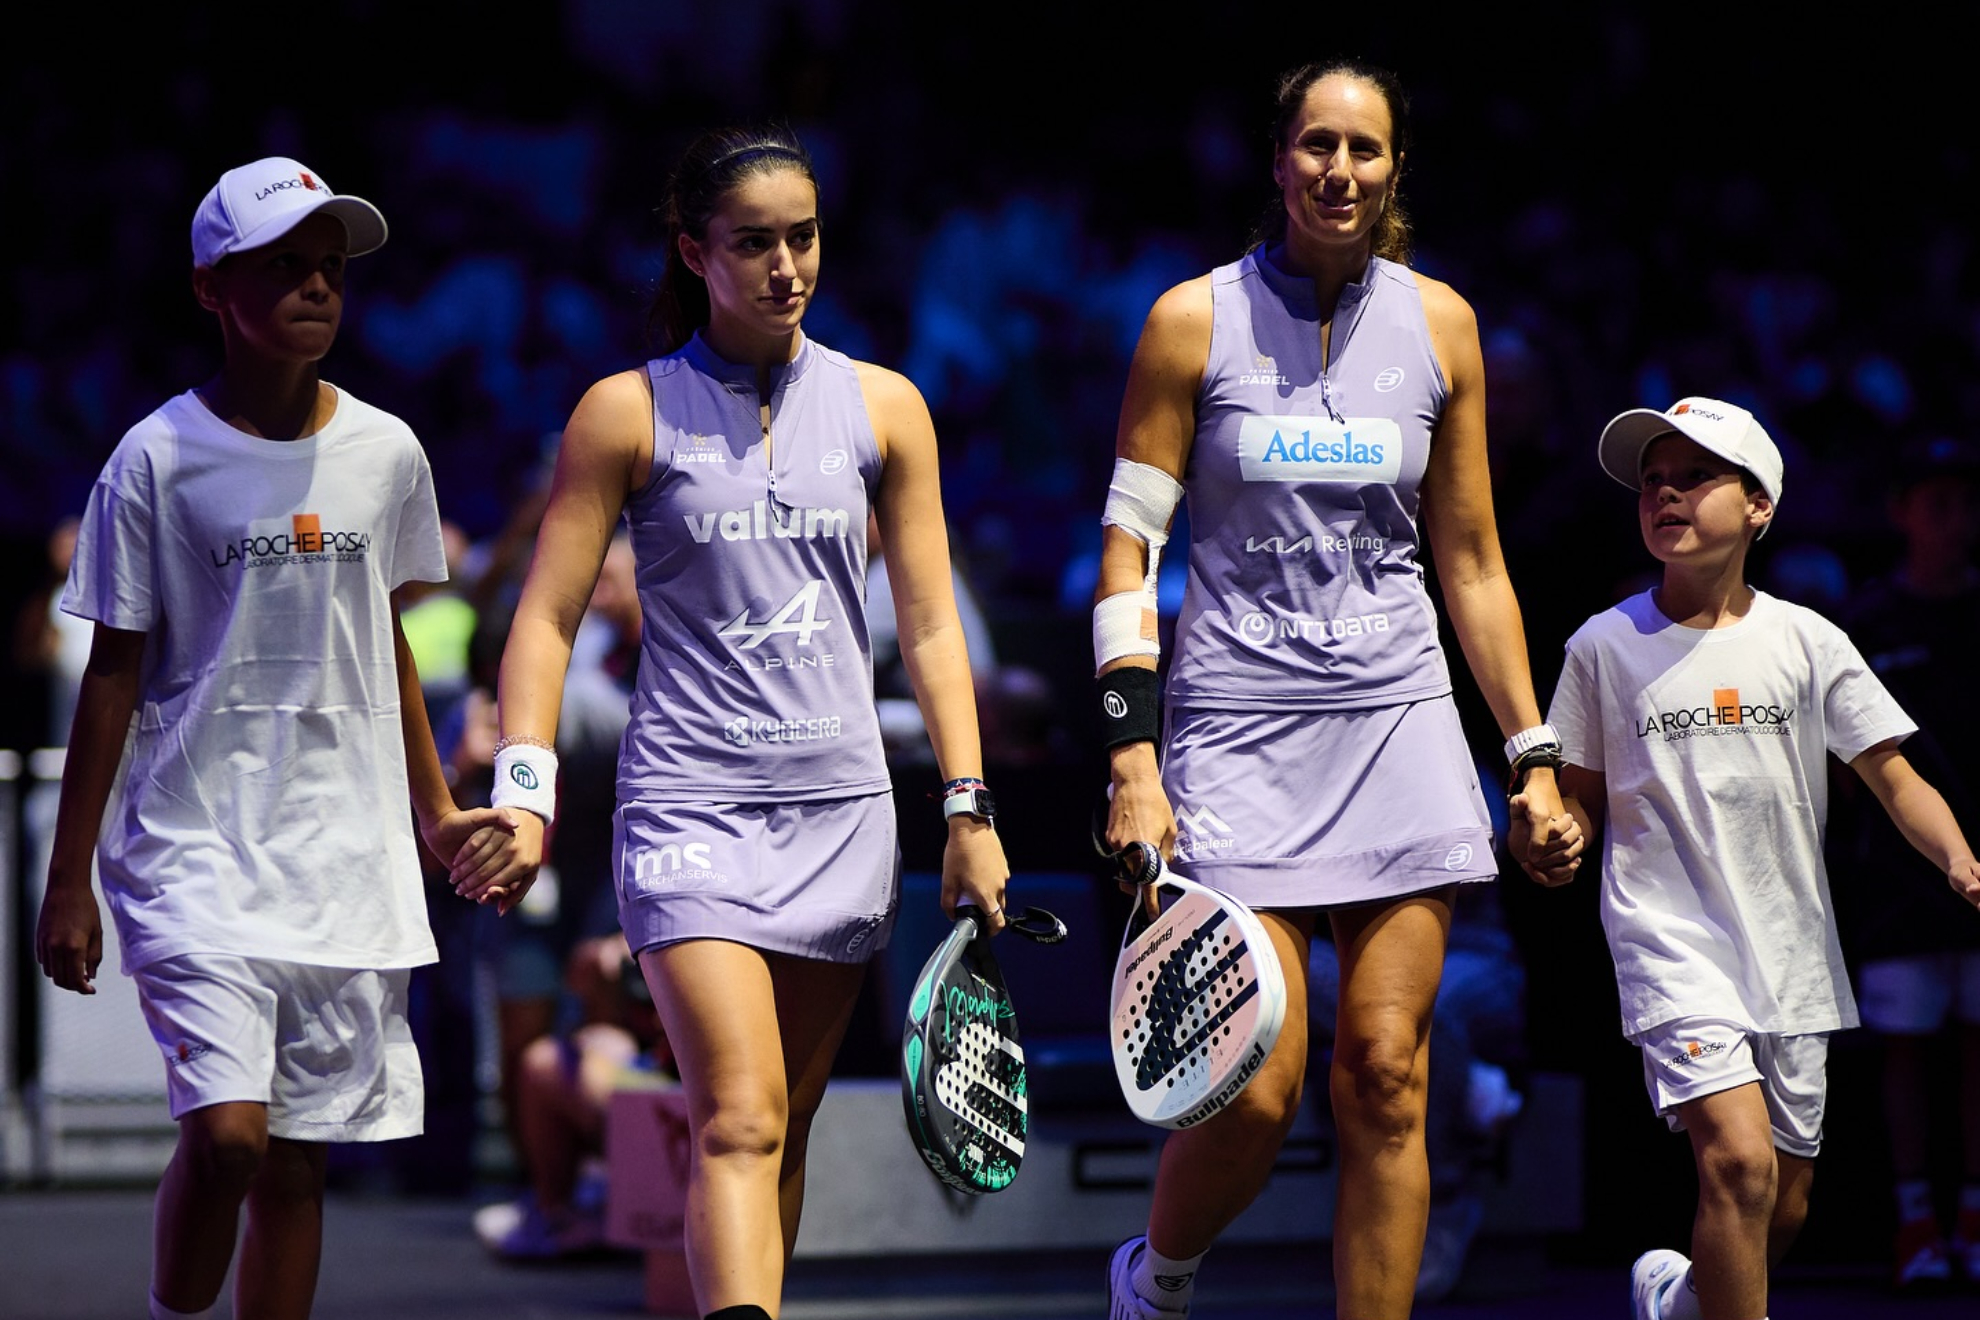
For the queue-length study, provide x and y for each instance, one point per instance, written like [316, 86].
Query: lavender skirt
[812, 879]
[1320, 809]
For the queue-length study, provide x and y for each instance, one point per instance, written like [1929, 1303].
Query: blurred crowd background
[1640, 204]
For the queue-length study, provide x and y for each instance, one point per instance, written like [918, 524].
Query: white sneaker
[1123, 1302]
[520, 1230]
[1654, 1274]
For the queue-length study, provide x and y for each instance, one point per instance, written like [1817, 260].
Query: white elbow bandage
[526, 777]
[1124, 624]
[1141, 501]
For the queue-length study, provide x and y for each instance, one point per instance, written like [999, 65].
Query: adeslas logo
[1361, 450]
[1303, 448]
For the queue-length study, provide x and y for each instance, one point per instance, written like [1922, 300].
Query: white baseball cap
[1726, 429]
[253, 205]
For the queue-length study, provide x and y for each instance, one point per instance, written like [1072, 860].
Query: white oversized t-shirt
[1715, 744]
[264, 808]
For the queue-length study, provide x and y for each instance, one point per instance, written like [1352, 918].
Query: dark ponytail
[1392, 230]
[708, 171]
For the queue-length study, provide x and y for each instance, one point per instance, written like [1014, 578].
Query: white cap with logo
[1724, 428]
[253, 205]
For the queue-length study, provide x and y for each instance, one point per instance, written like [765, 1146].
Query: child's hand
[498, 861]
[68, 940]
[1548, 849]
[1965, 878]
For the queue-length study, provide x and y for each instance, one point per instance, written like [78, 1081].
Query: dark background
[1777, 211]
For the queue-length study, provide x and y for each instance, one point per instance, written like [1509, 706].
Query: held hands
[1545, 838]
[68, 939]
[494, 852]
[973, 868]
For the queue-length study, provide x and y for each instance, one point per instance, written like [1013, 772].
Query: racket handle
[1138, 864]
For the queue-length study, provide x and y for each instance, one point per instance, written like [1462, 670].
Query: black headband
[757, 149]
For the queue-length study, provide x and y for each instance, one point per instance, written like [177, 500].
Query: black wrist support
[1130, 706]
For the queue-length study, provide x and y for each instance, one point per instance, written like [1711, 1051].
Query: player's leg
[1794, 1181]
[1208, 1174]
[283, 1247]
[215, 1020]
[814, 1006]
[196, 1214]
[718, 1004]
[1391, 957]
[1732, 1143]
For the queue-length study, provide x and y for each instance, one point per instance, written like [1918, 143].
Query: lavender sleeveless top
[1304, 590]
[755, 674]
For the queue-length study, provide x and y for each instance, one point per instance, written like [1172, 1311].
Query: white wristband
[1124, 624]
[1540, 735]
[526, 777]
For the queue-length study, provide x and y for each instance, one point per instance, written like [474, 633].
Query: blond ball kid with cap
[239, 557]
[1698, 717]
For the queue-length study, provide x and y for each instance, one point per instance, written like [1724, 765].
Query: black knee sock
[738, 1313]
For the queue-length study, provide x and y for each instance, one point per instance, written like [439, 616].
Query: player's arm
[915, 540]
[1555, 859]
[1151, 447]
[68, 938]
[1464, 542]
[1920, 814]
[466, 841]
[606, 451]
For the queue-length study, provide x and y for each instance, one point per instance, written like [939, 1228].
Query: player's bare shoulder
[1174, 348]
[1453, 331]
[621, 399]
[611, 429]
[1181, 318]
[887, 390]
[895, 407]
[1444, 308]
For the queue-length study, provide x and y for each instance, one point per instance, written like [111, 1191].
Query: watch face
[974, 802]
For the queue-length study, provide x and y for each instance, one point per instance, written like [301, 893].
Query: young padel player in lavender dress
[757, 863]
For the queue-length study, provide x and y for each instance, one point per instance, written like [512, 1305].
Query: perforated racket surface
[1198, 998]
[963, 1085]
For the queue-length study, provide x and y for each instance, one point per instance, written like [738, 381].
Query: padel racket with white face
[1198, 996]
[962, 1068]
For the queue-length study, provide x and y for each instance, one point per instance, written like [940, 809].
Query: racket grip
[1138, 863]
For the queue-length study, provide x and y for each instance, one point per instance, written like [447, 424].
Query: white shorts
[1691, 1058]
[327, 1049]
[1913, 996]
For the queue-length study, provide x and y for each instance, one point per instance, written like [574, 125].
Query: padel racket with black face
[1198, 995]
[962, 1068]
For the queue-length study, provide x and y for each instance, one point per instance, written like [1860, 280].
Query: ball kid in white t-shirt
[1696, 721]
[239, 559]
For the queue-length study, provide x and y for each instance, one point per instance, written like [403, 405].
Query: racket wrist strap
[1130, 706]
